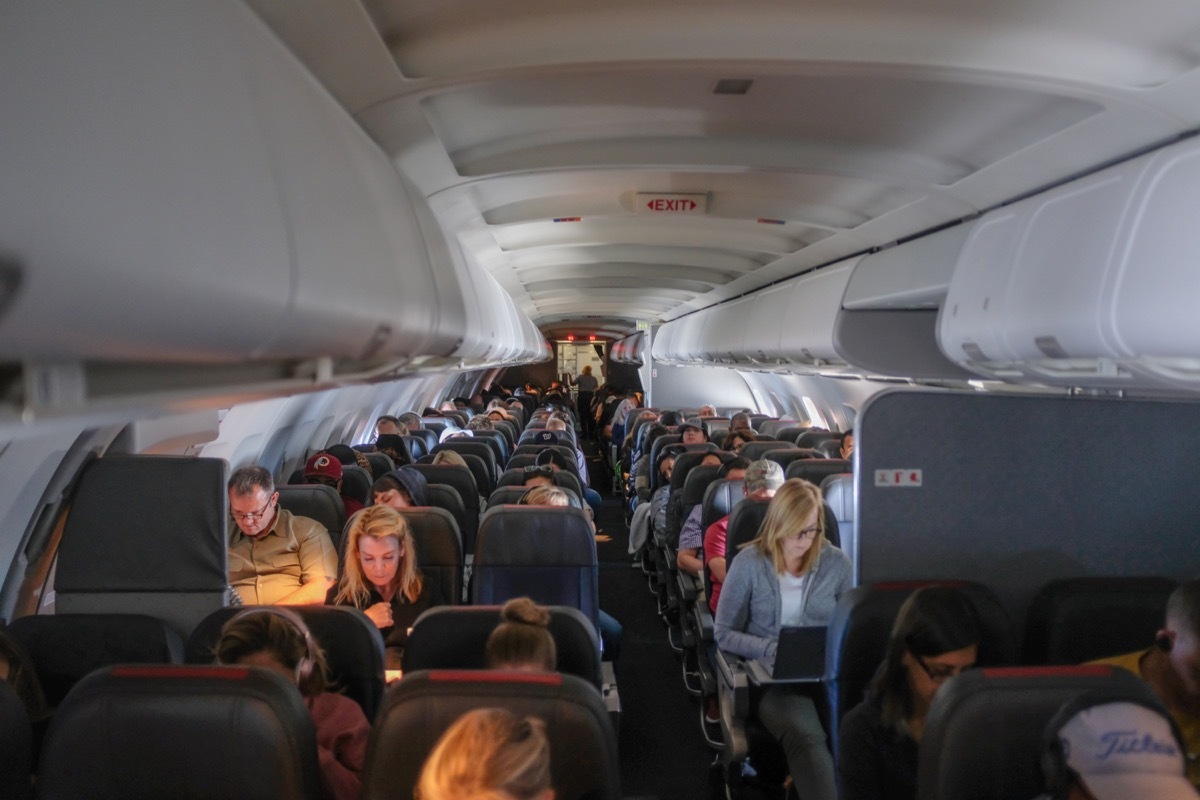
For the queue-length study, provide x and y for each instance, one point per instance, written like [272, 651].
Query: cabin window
[814, 415]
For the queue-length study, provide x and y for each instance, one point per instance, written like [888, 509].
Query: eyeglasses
[253, 516]
[804, 535]
[942, 673]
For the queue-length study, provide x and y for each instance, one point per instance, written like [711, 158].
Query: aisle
[662, 751]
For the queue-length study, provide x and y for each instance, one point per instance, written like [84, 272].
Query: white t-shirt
[791, 593]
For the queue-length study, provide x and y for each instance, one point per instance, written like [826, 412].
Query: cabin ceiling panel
[932, 128]
[1112, 41]
[815, 199]
[868, 122]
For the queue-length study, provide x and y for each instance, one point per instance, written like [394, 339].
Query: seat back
[548, 554]
[16, 746]
[179, 573]
[1081, 619]
[816, 470]
[791, 433]
[511, 495]
[771, 427]
[495, 440]
[447, 498]
[838, 491]
[524, 460]
[449, 637]
[509, 430]
[439, 548]
[149, 732]
[656, 450]
[382, 464]
[744, 521]
[719, 499]
[753, 451]
[812, 438]
[428, 437]
[583, 750]
[356, 483]
[464, 483]
[862, 624]
[66, 647]
[562, 479]
[983, 735]
[353, 647]
[785, 457]
[318, 502]
[534, 449]
[757, 420]
[830, 448]
[689, 460]
[484, 453]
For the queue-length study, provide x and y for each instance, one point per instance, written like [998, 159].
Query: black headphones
[308, 663]
[1056, 773]
[1163, 642]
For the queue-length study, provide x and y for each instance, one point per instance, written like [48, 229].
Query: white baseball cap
[1124, 750]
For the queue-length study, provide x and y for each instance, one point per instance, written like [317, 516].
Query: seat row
[1071, 621]
[153, 731]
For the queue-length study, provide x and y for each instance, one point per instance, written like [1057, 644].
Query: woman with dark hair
[277, 639]
[936, 636]
[735, 440]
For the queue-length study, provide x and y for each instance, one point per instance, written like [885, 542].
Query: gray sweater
[749, 609]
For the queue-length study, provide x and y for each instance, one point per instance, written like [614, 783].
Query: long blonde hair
[789, 510]
[488, 754]
[378, 522]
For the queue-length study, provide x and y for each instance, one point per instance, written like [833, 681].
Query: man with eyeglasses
[275, 557]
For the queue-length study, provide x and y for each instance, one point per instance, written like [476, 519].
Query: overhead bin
[180, 189]
[1090, 284]
[786, 326]
[629, 350]
[888, 321]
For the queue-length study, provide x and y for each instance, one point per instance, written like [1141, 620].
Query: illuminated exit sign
[672, 203]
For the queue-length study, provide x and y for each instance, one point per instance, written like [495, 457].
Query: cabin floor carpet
[662, 751]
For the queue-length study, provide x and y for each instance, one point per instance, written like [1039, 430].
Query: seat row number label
[897, 478]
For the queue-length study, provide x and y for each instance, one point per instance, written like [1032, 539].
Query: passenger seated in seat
[1172, 668]
[325, 470]
[692, 433]
[707, 411]
[381, 578]
[349, 456]
[541, 494]
[400, 488]
[690, 558]
[936, 636]
[16, 669]
[734, 441]
[411, 420]
[846, 449]
[389, 425]
[1083, 760]
[556, 461]
[522, 640]
[740, 422]
[762, 480]
[662, 495]
[788, 575]
[489, 754]
[275, 557]
[392, 446]
[277, 639]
